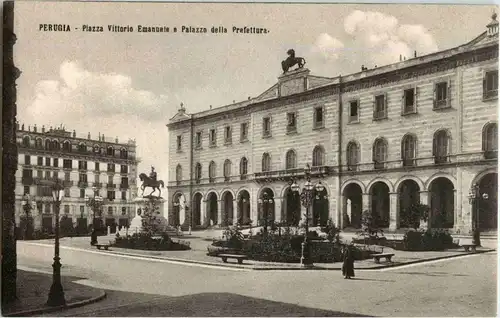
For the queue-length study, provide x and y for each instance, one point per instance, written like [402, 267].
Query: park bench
[468, 247]
[387, 256]
[240, 258]
[104, 246]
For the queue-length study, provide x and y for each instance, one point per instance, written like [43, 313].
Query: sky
[128, 85]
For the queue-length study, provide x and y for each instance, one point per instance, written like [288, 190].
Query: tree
[152, 221]
[415, 213]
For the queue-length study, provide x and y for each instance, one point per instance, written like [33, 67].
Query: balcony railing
[83, 184]
[27, 180]
[67, 183]
[439, 104]
[98, 185]
[111, 186]
[409, 162]
[441, 159]
[124, 186]
[377, 165]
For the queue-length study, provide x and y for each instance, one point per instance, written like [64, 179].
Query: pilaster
[277, 209]
[235, 212]
[220, 211]
[366, 202]
[393, 212]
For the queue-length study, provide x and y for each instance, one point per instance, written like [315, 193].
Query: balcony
[378, 165]
[491, 154]
[111, 186]
[83, 184]
[441, 159]
[440, 104]
[409, 162]
[27, 180]
[124, 186]
[320, 171]
[279, 174]
[98, 185]
[67, 183]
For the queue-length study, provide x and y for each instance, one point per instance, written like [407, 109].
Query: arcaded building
[423, 129]
[86, 166]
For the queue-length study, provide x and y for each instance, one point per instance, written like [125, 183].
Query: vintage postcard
[249, 159]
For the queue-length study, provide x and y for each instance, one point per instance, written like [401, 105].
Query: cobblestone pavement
[454, 287]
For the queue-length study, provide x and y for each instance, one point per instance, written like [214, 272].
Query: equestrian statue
[291, 60]
[151, 182]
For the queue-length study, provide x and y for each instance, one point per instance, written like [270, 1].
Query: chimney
[74, 133]
[210, 106]
[415, 53]
[99, 136]
[249, 97]
[400, 57]
[234, 101]
[493, 25]
[405, 58]
[29, 128]
[43, 128]
[88, 136]
[116, 140]
[17, 125]
[34, 128]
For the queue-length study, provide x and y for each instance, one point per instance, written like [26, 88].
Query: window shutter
[434, 145]
[448, 93]
[434, 96]
[484, 85]
[374, 102]
[415, 94]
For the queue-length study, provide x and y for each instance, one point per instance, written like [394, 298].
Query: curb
[57, 308]
[262, 268]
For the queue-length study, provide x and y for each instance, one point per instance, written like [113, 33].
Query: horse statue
[291, 60]
[149, 182]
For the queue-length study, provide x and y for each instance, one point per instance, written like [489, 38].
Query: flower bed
[430, 240]
[143, 241]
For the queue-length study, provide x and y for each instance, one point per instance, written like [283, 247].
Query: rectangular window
[27, 173]
[124, 182]
[353, 111]
[110, 179]
[409, 106]
[47, 175]
[82, 193]
[490, 85]
[96, 178]
[66, 209]
[123, 169]
[198, 139]
[124, 195]
[97, 167]
[26, 190]
[266, 126]
[111, 195]
[39, 161]
[82, 209]
[291, 123]
[66, 176]
[213, 137]
[47, 162]
[179, 143]
[66, 192]
[111, 167]
[228, 136]
[82, 165]
[318, 117]
[67, 164]
[244, 132]
[441, 95]
[55, 175]
[27, 159]
[82, 177]
[39, 174]
[380, 109]
[56, 162]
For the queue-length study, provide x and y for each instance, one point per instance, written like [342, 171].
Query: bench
[104, 246]
[387, 256]
[240, 258]
[468, 247]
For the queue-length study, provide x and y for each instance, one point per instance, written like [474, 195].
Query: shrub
[415, 213]
[332, 232]
[430, 240]
[145, 241]
[234, 237]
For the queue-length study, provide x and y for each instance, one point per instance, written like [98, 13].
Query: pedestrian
[348, 264]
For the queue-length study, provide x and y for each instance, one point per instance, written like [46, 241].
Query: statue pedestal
[152, 205]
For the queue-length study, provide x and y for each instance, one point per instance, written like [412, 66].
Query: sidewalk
[199, 244]
[33, 289]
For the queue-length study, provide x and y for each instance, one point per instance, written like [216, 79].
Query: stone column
[219, 211]
[235, 212]
[277, 209]
[366, 203]
[425, 199]
[342, 211]
[203, 213]
[394, 212]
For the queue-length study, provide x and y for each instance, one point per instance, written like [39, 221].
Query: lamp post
[306, 197]
[474, 197]
[266, 202]
[95, 203]
[56, 293]
[27, 209]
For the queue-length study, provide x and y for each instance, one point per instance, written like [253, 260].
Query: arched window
[212, 171]
[227, 169]
[97, 150]
[197, 172]
[409, 150]
[291, 159]
[490, 140]
[440, 147]
[47, 144]
[26, 141]
[318, 156]
[266, 162]
[55, 145]
[123, 153]
[178, 174]
[110, 151]
[66, 146]
[82, 147]
[379, 153]
[243, 168]
[39, 143]
[352, 156]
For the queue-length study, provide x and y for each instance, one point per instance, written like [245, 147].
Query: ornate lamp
[56, 293]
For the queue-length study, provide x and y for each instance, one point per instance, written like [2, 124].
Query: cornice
[76, 156]
[76, 140]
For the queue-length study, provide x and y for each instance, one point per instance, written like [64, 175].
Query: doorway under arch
[244, 208]
[408, 194]
[488, 207]
[442, 207]
[271, 208]
[212, 208]
[353, 205]
[380, 204]
[196, 214]
[227, 208]
[291, 207]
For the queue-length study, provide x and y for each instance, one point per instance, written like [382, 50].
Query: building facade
[423, 130]
[86, 167]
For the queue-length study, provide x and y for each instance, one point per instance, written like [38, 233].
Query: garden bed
[147, 242]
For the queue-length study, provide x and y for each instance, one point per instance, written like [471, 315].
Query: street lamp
[306, 197]
[266, 202]
[95, 203]
[56, 293]
[27, 209]
[474, 197]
